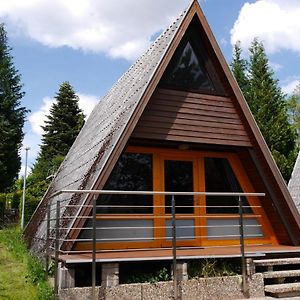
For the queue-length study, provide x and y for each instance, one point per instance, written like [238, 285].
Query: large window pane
[219, 177]
[133, 172]
[186, 70]
[179, 178]
[119, 230]
[222, 229]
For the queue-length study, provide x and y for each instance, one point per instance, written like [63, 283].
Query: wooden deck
[182, 253]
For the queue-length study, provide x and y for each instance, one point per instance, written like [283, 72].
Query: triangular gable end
[223, 81]
[216, 79]
[261, 154]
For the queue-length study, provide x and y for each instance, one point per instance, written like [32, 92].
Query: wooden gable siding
[256, 178]
[192, 117]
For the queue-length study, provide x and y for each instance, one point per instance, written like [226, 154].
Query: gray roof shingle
[98, 137]
[294, 183]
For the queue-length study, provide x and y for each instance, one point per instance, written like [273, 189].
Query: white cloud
[31, 141]
[275, 22]
[37, 118]
[290, 86]
[87, 103]
[117, 28]
[22, 171]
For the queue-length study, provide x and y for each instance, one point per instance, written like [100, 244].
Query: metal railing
[62, 216]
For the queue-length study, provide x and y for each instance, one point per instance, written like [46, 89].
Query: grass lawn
[13, 278]
[18, 276]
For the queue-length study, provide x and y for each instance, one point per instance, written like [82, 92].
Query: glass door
[179, 176]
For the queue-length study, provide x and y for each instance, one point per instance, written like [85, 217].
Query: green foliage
[267, 103]
[293, 105]
[160, 275]
[239, 68]
[12, 239]
[62, 125]
[12, 115]
[212, 268]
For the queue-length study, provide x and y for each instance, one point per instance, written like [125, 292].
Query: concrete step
[281, 274]
[283, 290]
[276, 261]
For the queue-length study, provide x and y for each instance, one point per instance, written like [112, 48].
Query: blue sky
[91, 43]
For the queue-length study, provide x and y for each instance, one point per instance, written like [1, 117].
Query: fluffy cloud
[87, 103]
[117, 28]
[37, 118]
[275, 22]
[290, 85]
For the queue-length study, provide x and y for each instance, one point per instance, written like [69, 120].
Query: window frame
[159, 155]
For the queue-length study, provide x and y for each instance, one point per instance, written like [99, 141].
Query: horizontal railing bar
[155, 227]
[70, 217]
[162, 206]
[161, 238]
[110, 192]
[186, 216]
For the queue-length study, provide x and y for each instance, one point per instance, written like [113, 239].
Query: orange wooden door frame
[199, 216]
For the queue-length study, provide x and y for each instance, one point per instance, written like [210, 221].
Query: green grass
[21, 274]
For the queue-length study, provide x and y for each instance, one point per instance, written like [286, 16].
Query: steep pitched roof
[294, 183]
[106, 132]
[99, 136]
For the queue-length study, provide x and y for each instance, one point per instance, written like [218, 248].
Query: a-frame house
[175, 121]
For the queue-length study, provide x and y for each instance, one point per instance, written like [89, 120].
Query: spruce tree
[12, 115]
[239, 68]
[61, 128]
[268, 106]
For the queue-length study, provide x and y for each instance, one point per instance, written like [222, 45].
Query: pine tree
[61, 129]
[12, 115]
[239, 68]
[268, 106]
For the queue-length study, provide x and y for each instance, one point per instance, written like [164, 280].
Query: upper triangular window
[186, 71]
[190, 68]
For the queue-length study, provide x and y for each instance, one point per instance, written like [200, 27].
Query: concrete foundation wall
[203, 288]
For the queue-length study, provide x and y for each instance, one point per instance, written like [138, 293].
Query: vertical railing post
[94, 235]
[56, 248]
[47, 242]
[242, 245]
[174, 248]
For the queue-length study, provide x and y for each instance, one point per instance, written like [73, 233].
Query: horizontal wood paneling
[191, 117]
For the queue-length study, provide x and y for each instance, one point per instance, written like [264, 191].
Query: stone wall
[203, 288]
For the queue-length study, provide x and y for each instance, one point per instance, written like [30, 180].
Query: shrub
[212, 268]
[160, 275]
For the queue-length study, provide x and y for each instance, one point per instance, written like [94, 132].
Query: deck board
[182, 253]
